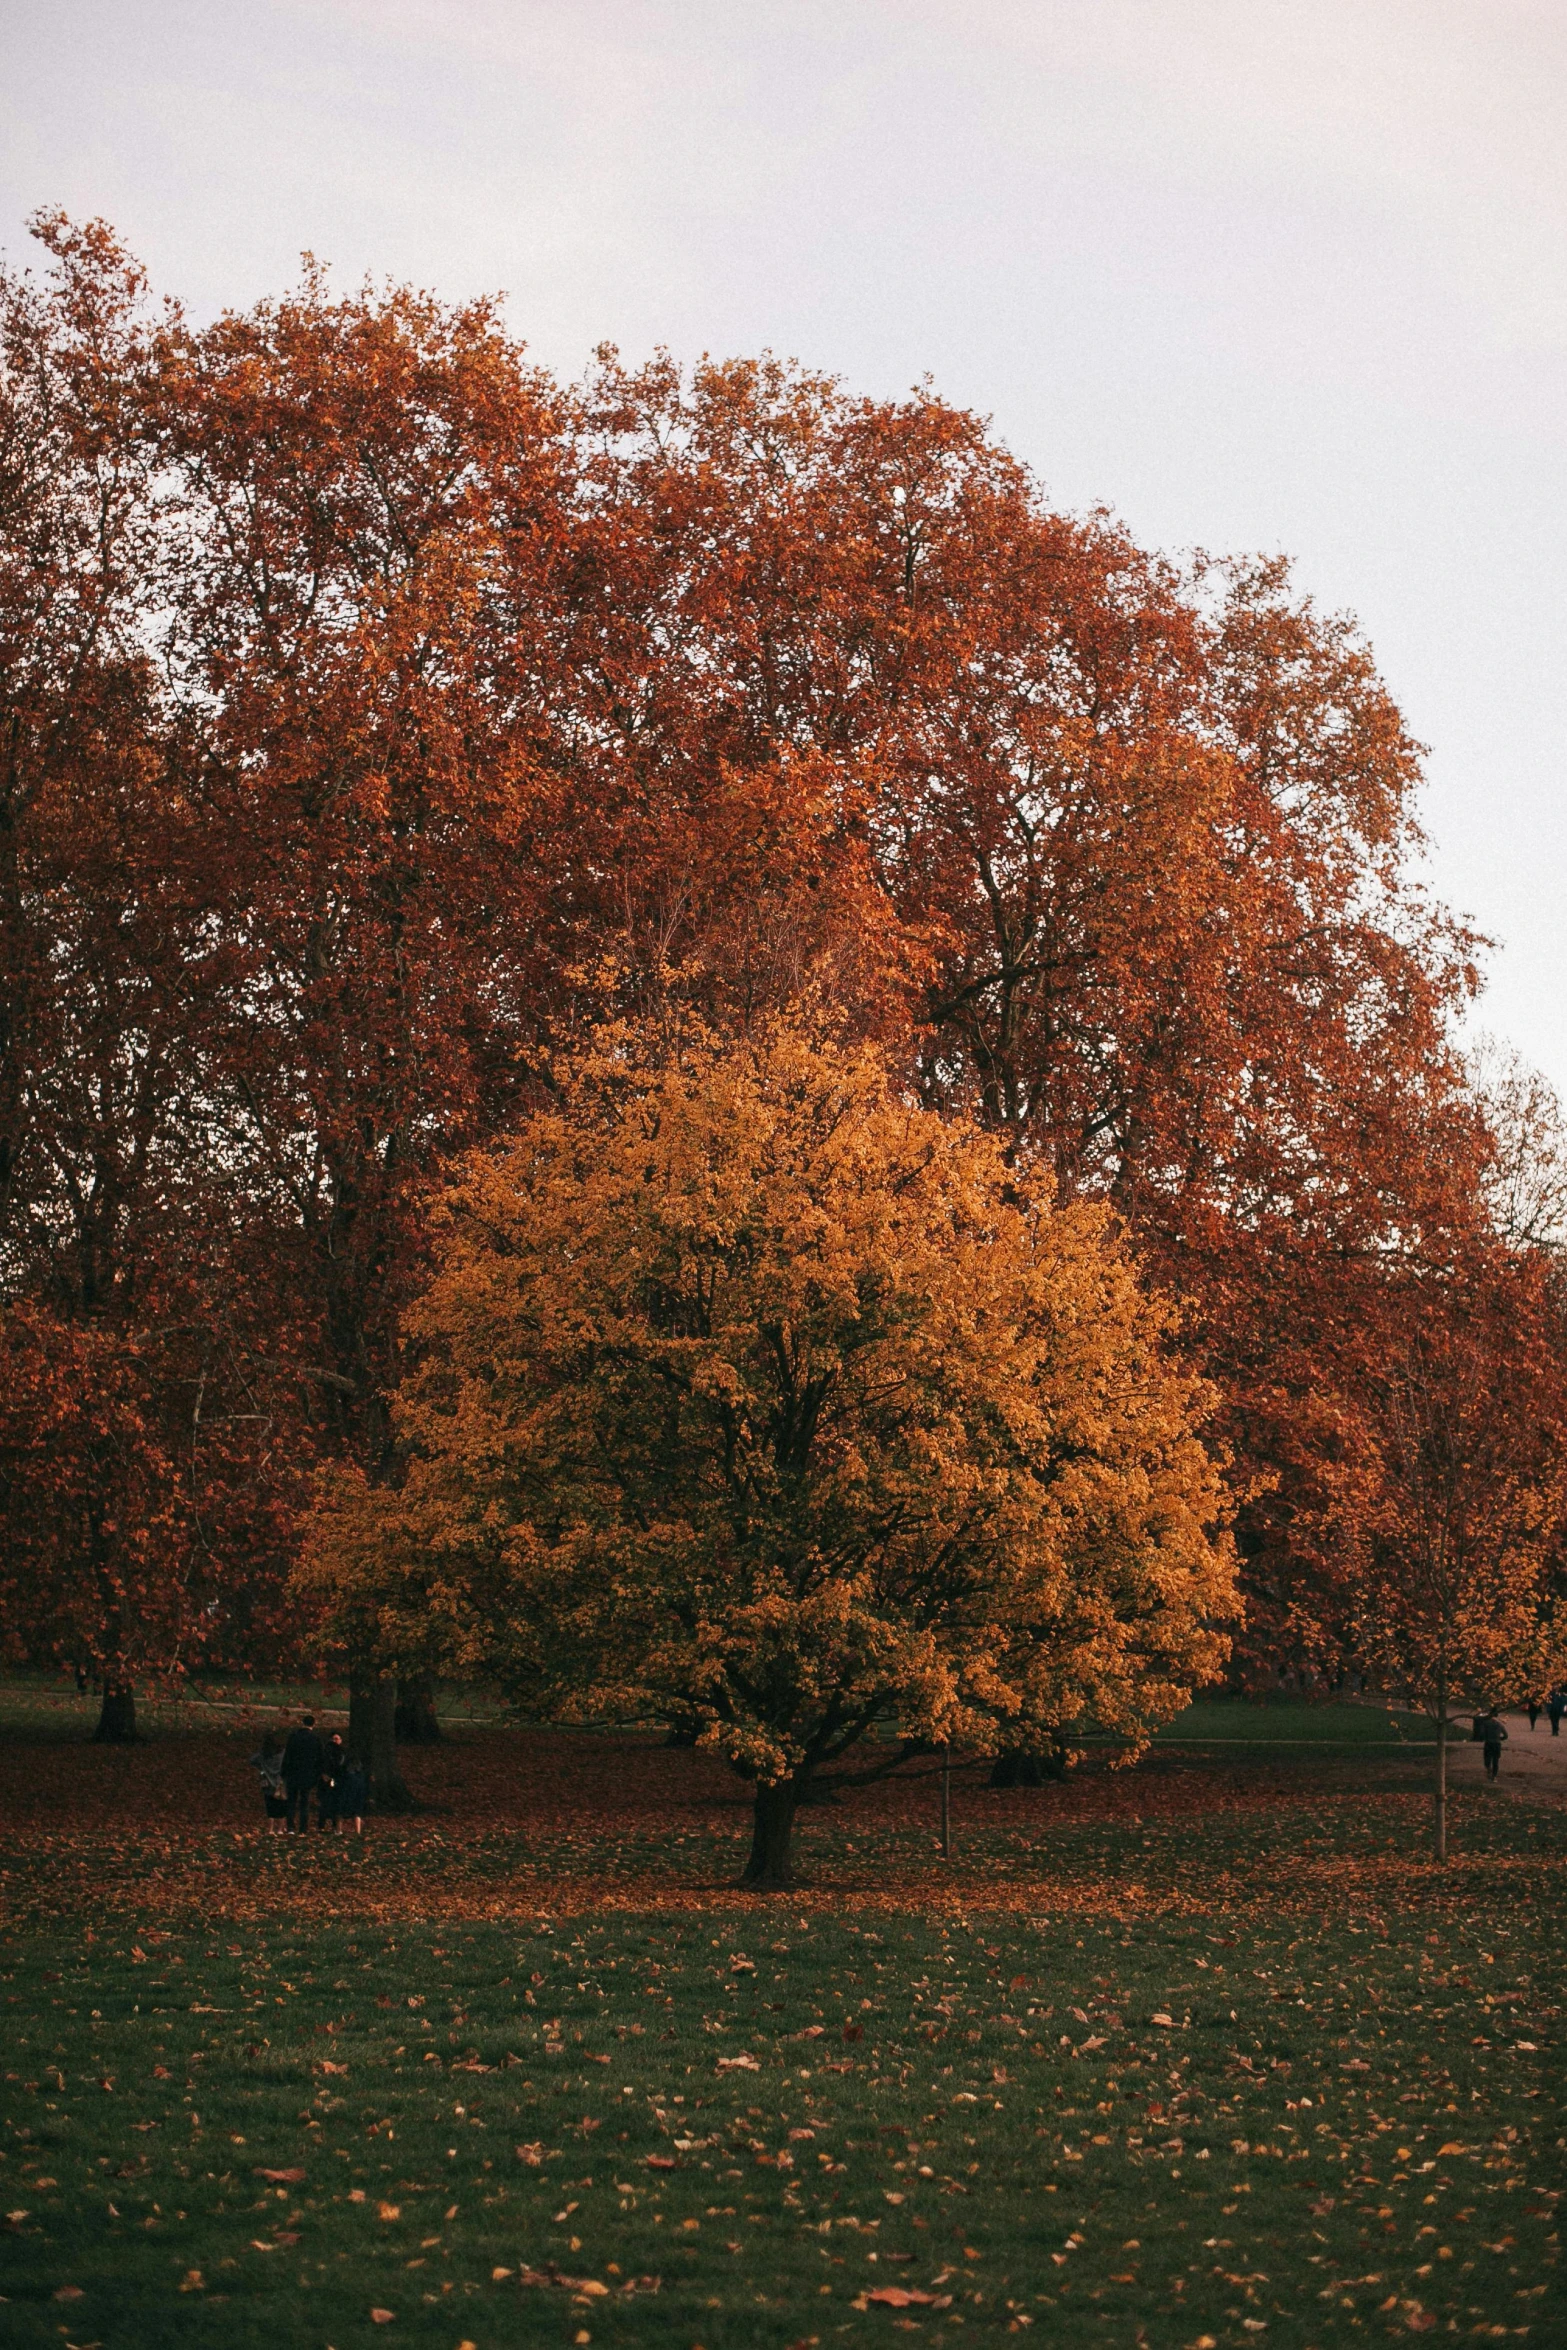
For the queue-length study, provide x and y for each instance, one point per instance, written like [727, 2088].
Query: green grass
[979, 2108]
[1227, 1721]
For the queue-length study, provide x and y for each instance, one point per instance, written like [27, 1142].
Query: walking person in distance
[1491, 1730]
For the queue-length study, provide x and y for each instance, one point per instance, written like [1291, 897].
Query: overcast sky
[1260, 274]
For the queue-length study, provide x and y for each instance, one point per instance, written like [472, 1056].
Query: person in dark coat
[302, 1757]
[1491, 1731]
[1556, 1706]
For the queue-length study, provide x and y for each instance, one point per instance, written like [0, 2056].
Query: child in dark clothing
[353, 1796]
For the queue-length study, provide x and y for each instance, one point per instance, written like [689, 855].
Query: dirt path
[1534, 1764]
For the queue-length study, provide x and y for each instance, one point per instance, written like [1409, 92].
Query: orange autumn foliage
[384, 716]
[757, 1400]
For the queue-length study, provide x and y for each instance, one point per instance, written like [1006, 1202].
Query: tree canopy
[382, 718]
[755, 1397]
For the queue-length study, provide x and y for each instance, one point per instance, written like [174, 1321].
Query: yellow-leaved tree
[752, 1398]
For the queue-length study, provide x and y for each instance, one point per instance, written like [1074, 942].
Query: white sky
[1258, 273]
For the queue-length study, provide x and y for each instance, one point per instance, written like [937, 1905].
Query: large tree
[755, 1398]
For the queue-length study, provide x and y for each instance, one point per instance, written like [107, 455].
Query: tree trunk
[1441, 1769]
[116, 1715]
[772, 1831]
[415, 1721]
[372, 1740]
[361, 1703]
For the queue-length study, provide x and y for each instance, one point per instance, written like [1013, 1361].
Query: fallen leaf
[68, 2293]
[899, 2297]
[281, 2178]
[661, 2162]
[1168, 2021]
[382, 2317]
[388, 2211]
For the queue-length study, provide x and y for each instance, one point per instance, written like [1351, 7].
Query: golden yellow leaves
[753, 1397]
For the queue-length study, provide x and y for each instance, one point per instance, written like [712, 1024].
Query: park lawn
[726, 2121]
[1226, 1721]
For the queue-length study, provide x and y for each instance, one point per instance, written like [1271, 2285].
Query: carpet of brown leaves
[514, 1822]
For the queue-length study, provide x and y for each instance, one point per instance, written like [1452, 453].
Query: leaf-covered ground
[1159, 2060]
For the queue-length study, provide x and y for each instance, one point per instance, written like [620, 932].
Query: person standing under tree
[301, 1769]
[1556, 1705]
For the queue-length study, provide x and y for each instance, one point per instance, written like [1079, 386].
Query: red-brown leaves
[483, 710]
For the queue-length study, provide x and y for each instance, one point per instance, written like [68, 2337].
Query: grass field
[1228, 1722]
[1201, 2053]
